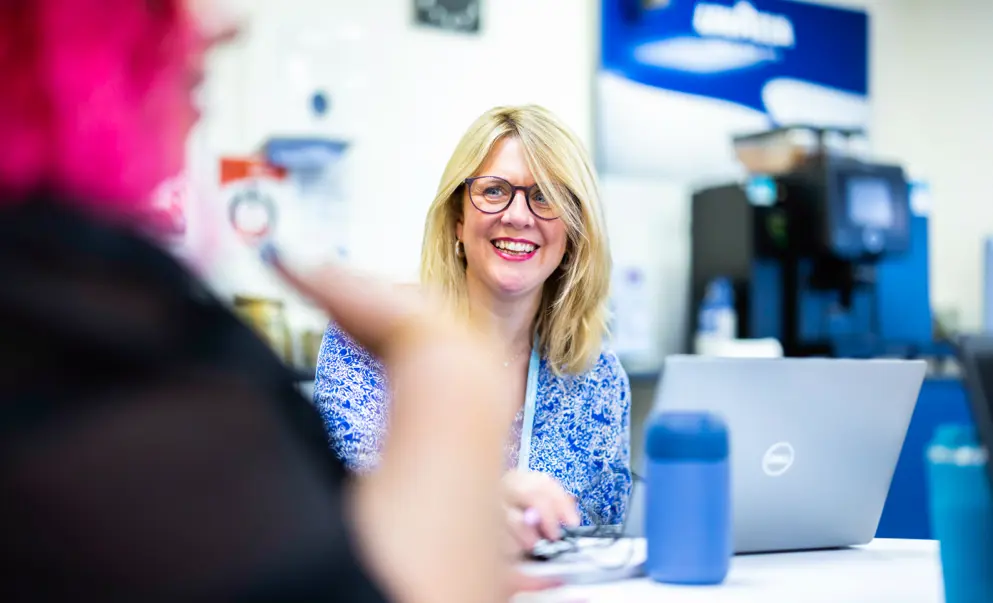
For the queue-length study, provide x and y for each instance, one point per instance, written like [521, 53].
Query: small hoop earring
[459, 249]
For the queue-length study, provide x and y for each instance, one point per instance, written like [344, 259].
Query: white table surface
[898, 571]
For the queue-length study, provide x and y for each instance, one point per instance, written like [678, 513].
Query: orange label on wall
[234, 169]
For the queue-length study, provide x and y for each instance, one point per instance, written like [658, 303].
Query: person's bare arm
[429, 519]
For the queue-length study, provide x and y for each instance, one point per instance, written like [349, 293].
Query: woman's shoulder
[605, 374]
[338, 349]
[608, 366]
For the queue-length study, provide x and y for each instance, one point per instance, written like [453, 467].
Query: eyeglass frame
[513, 195]
[578, 540]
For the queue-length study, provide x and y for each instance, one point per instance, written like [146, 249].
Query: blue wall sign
[303, 154]
[679, 79]
[730, 50]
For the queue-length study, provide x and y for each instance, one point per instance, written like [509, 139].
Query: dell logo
[778, 459]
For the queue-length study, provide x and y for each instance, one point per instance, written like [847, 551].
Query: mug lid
[686, 435]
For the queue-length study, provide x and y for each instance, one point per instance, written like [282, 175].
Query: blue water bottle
[717, 316]
[688, 499]
[961, 513]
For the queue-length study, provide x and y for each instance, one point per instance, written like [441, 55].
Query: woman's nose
[518, 214]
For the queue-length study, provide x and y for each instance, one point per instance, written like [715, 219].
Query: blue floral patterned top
[581, 433]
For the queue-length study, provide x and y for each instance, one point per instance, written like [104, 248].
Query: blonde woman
[515, 239]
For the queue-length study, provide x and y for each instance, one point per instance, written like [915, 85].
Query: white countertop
[901, 571]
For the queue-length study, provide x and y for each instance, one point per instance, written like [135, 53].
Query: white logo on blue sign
[743, 22]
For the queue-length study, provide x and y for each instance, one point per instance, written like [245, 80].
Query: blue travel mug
[688, 499]
[961, 513]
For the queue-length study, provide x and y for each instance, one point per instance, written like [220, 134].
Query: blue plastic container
[688, 499]
[717, 316]
[961, 513]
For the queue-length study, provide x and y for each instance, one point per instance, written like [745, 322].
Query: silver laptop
[814, 442]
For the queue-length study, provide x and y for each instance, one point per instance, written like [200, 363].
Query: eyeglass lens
[491, 194]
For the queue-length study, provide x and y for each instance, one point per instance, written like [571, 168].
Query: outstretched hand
[428, 521]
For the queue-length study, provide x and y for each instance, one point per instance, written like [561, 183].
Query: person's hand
[520, 583]
[427, 521]
[536, 508]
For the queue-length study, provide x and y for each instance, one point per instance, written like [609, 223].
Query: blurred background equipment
[812, 244]
[452, 15]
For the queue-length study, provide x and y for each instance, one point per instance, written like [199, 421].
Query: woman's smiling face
[512, 252]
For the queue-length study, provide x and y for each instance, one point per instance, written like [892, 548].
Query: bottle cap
[687, 436]
[720, 292]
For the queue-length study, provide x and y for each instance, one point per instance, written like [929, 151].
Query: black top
[152, 448]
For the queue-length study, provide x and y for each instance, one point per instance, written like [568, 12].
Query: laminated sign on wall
[632, 308]
[316, 211]
[292, 196]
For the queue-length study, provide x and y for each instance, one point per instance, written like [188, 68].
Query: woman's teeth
[515, 246]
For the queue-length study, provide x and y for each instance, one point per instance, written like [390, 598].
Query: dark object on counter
[268, 318]
[976, 355]
[152, 448]
[310, 344]
[461, 16]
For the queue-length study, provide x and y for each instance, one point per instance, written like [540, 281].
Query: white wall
[933, 90]
[404, 94]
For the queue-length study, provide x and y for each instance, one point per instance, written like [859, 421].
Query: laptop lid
[814, 441]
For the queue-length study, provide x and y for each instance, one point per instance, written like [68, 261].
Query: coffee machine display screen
[870, 202]
[867, 209]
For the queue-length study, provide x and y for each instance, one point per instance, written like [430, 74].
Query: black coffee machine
[801, 241]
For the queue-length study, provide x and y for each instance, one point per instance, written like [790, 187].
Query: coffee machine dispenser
[805, 242]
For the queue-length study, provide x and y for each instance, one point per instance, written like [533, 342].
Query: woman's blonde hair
[572, 319]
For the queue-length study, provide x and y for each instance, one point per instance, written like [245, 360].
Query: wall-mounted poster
[316, 213]
[679, 78]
